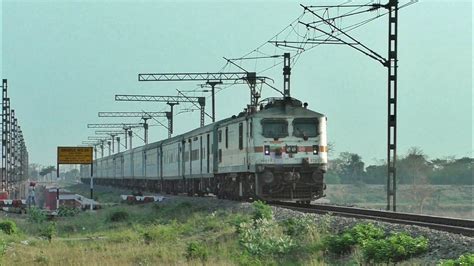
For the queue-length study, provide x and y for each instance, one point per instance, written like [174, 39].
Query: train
[275, 153]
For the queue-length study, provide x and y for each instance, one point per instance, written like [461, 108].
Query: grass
[447, 200]
[178, 231]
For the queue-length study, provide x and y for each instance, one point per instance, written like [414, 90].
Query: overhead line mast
[337, 35]
[14, 165]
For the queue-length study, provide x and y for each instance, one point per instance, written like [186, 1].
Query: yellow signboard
[75, 155]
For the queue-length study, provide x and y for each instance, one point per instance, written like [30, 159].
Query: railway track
[453, 225]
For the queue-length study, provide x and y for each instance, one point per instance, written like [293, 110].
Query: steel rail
[452, 225]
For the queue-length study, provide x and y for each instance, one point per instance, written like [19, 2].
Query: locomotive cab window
[274, 128]
[305, 127]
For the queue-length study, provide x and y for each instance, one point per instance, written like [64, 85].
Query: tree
[351, 167]
[47, 170]
[452, 171]
[33, 171]
[412, 166]
[72, 174]
[376, 174]
[415, 169]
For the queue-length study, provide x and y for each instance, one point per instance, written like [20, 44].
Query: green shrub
[65, 211]
[48, 231]
[261, 211]
[466, 259]
[169, 232]
[184, 204]
[36, 215]
[118, 216]
[340, 244]
[358, 235]
[196, 250]
[8, 227]
[122, 236]
[237, 220]
[264, 237]
[395, 248]
[375, 247]
[298, 226]
[363, 232]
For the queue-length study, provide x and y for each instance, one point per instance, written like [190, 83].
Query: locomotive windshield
[305, 127]
[275, 128]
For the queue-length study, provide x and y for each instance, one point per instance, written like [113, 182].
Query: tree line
[414, 167]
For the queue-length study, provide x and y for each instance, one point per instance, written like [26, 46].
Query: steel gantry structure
[14, 168]
[127, 127]
[143, 115]
[171, 101]
[212, 79]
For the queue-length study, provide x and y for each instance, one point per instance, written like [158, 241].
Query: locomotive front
[290, 151]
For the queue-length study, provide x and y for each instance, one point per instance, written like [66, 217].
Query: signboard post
[77, 155]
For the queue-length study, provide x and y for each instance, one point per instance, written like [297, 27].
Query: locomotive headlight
[291, 149]
[315, 149]
[266, 149]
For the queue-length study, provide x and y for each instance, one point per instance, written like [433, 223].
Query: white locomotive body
[277, 153]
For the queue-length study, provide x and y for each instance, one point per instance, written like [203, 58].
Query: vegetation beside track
[180, 231]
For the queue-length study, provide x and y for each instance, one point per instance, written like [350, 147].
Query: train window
[241, 136]
[251, 129]
[226, 137]
[274, 128]
[305, 127]
[220, 155]
[194, 155]
[219, 136]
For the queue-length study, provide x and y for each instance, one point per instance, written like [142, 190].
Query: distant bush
[118, 216]
[36, 215]
[184, 204]
[48, 231]
[264, 237]
[8, 227]
[395, 248]
[169, 232]
[122, 236]
[261, 211]
[65, 211]
[196, 250]
[466, 259]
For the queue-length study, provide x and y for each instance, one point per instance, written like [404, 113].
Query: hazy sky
[65, 61]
